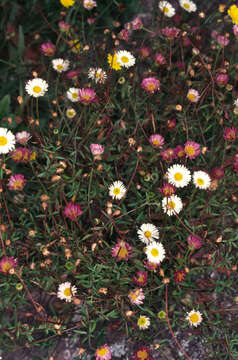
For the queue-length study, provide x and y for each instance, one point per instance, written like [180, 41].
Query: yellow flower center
[156, 142]
[142, 354]
[141, 321]
[86, 97]
[191, 97]
[124, 59]
[190, 150]
[186, 5]
[165, 9]
[74, 95]
[154, 252]
[150, 87]
[3, 140]
[171, 205]
[6, 266]
[178, 176]
[97, 75]
[122, 253]
[37, 89]
[194, 318]
[200, 181]
[67, 292]
[147, 234]
[17, 184]
[116, 191]
[102, 352]
[59, 67]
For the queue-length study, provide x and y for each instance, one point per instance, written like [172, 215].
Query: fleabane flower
[188, 5]
[23, 137]
[72, 211]
[122, 250]
[96, 149]
[22, 155]
[60, 65]
[66, 291]
[140, 278]
[194, 242]
[125, 58]
[156, 140]
[179, 276]
[48, 48]
[167, 190]
[7, 263]
[113, 63]
[167, 8]
[67, 3]
[73, 94]
[194, 318]
[150, 84]
[136, 296]
[171, 33]
[7, 141]
[89, 4]
[193, 95]
[16, 182]
[230, 134]
[192, 149]
[143, 353]
[103, 353]
[172, 205]
[36, 87]
[201, 180]
[147, 233]
[117, 190]
[143, 322]
[178, 175]
[233, 13]
[155, 252]
[98, 75]
[87, 96]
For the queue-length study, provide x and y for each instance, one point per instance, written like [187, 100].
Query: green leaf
[5, 106]
[21, 43]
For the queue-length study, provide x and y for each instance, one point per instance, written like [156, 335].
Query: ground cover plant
[119, 162]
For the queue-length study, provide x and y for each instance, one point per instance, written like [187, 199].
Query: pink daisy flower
[159, 59]
[222, 79]
[193, 95]
[16, 182]
[150, 84]
[23, 137]
[140, 278]
[72, 211]
[103, 353]
[179, 276]
[143, 353]
[48, 49]
[171, 124]
[156, 140]
[96, 149]
[151, 266]
[124, 35]
[122, 250]
[63, 26]
[7, 263]
[136, 24]
[167, 190]
[222, 40]
[21, 154]
[171, 33]
[87, 96]
[179, 151]
[144, 52]
[192, 149]
[136, 296]
[194, 242]
[230, 134]
[168, 154]
[218, 173]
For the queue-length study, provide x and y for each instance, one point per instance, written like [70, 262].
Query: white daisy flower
[98, 75]
[188, 5]
[7, 141]
[172, 205]
[66, 291]
[89, 4]
[147, 233]
[194, 318]
[178, 175]
[73, 94]
[143, 322]
[117, 190]
[167, 8]
[60, 65]
[236, 102]
[155, 252]
[70, 113]
[201, 180]
[36, 87]
[125, 58]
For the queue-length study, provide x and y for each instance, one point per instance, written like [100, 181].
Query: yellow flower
[112, 61]
[233, 13]
[67, 3]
